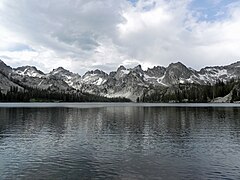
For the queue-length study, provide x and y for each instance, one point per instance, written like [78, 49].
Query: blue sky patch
[211, 10]
[133, 1]
[20, 47]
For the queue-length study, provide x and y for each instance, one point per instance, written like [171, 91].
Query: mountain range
[124, 82]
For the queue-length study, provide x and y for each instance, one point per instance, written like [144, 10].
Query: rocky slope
[124, 82]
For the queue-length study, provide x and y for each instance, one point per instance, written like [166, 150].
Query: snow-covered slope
[72, 79]
[30, 71]
[224, 73]
[96, 77]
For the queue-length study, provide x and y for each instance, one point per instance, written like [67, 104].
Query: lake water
[119, 141]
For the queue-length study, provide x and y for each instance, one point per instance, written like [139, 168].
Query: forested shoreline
[195, 93]
[40, 95]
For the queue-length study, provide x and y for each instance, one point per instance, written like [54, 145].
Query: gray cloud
[70, 29]
[86, 34]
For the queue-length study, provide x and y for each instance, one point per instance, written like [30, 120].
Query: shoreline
[110, 104]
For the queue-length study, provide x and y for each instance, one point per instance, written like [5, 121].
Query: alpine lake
[119, 141]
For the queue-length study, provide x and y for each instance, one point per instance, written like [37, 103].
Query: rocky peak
[138, 67]
[23, 68]
[177, 65]
[31, 71]
[120, 73]
[176, 73]
[65, 74]
[156, 71]
[59, 70]
[96, 72]
[96, 77]
[121, 68]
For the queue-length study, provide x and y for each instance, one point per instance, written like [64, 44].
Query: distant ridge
[124, 82]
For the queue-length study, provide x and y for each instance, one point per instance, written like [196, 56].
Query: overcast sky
[87, 34]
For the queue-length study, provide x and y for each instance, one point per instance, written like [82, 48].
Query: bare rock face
[5, 69]
[176, 73]
[72, 79]
[6, 84]
[156, 71]
[5, 74]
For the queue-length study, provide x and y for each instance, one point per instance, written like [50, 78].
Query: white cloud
[85, 34]
[170, 32]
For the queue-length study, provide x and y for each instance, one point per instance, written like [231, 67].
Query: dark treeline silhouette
[39, 95]
[194, 93]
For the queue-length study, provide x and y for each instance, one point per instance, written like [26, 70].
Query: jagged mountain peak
[27, 67]
[178, 69]
[156, 68]
[156, 71]
[95, 72]
[177, 65]
[177, 73]
[30, 71]
[120, 73]
[60, 70]
[120, 68]
[66, 75]
[138, 67]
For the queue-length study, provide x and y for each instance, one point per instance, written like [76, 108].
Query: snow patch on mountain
[96, 77]
[30, 71]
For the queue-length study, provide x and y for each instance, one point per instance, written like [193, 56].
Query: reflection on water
[120, 142]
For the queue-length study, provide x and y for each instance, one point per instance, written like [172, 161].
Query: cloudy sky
[88, 34]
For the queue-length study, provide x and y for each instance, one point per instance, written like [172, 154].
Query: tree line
[46, 95]
[194, 93]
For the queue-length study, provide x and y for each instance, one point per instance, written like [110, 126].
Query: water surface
[119, 141]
